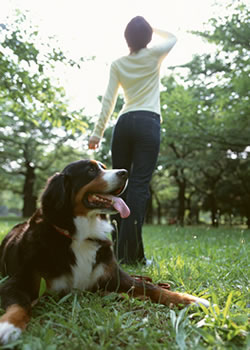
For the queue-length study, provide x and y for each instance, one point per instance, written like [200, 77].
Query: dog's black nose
[122, 173]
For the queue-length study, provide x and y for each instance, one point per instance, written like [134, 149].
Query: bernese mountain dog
[64, 243]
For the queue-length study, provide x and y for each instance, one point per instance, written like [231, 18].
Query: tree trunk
[248, 214]
[189, 220]
[159, 213]
[197, 217]
[248, 222]
[181, 202]
[214, 212]
[247, 210]
[29, 200]
[158, 209]
[149, 212]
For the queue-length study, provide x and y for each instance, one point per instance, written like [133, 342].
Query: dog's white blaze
[111, 178]
[8, 332]
[83, 276]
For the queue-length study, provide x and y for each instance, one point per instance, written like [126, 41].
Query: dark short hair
[138, 33]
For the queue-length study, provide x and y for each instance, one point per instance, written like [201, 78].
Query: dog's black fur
[64, 243]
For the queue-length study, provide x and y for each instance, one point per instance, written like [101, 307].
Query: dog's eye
[92, 170]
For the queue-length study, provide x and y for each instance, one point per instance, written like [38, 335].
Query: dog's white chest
[85, 273]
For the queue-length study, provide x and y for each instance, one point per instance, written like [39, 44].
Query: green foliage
[25, 86]
[37, 127]
[29, 155]
[225, 76]
[205, 262]
[204, 161]
[231, 32]
[104, 153]
[206, 128]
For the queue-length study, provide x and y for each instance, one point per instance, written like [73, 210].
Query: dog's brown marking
[98, 185]
[17, 316]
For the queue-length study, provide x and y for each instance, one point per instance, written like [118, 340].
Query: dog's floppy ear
[54, 199]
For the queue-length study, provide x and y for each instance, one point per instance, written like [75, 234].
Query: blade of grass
[228, 303]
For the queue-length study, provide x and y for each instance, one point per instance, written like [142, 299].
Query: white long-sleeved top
[139, 76]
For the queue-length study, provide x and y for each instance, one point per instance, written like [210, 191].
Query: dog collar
[63, 232]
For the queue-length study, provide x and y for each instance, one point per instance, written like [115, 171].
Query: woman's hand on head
[94, 142]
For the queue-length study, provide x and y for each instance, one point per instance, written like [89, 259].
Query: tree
[225, 76]
[24, 80]
[29, 154]
[221, 120]
[35, 118]
[180, 139]
[104, 153]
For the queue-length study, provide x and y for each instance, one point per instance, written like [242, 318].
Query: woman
[136, 136]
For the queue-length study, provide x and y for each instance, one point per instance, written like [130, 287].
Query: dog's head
[84, 188]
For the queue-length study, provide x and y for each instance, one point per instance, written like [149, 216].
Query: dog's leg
[13, 322]
[16, 294]
[143, 289]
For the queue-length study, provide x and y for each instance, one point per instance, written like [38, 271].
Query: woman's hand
[94, 142]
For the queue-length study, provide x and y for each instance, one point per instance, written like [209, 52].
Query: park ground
[212, 263]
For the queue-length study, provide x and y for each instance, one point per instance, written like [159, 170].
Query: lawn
[207, 262]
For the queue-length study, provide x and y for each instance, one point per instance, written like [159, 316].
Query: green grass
[207, 262]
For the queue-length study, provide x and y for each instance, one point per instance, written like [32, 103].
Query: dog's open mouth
[107, 202]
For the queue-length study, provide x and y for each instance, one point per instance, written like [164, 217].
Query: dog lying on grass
[64, 243]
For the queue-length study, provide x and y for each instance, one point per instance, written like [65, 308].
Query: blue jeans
[135, 147]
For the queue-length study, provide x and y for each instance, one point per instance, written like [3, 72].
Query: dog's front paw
[8, 332]
[197, 301]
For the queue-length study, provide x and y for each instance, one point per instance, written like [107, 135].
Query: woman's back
[138, 74]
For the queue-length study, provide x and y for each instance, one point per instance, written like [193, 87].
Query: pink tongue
[119, 205]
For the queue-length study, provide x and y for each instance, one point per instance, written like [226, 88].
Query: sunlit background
[87, 28]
